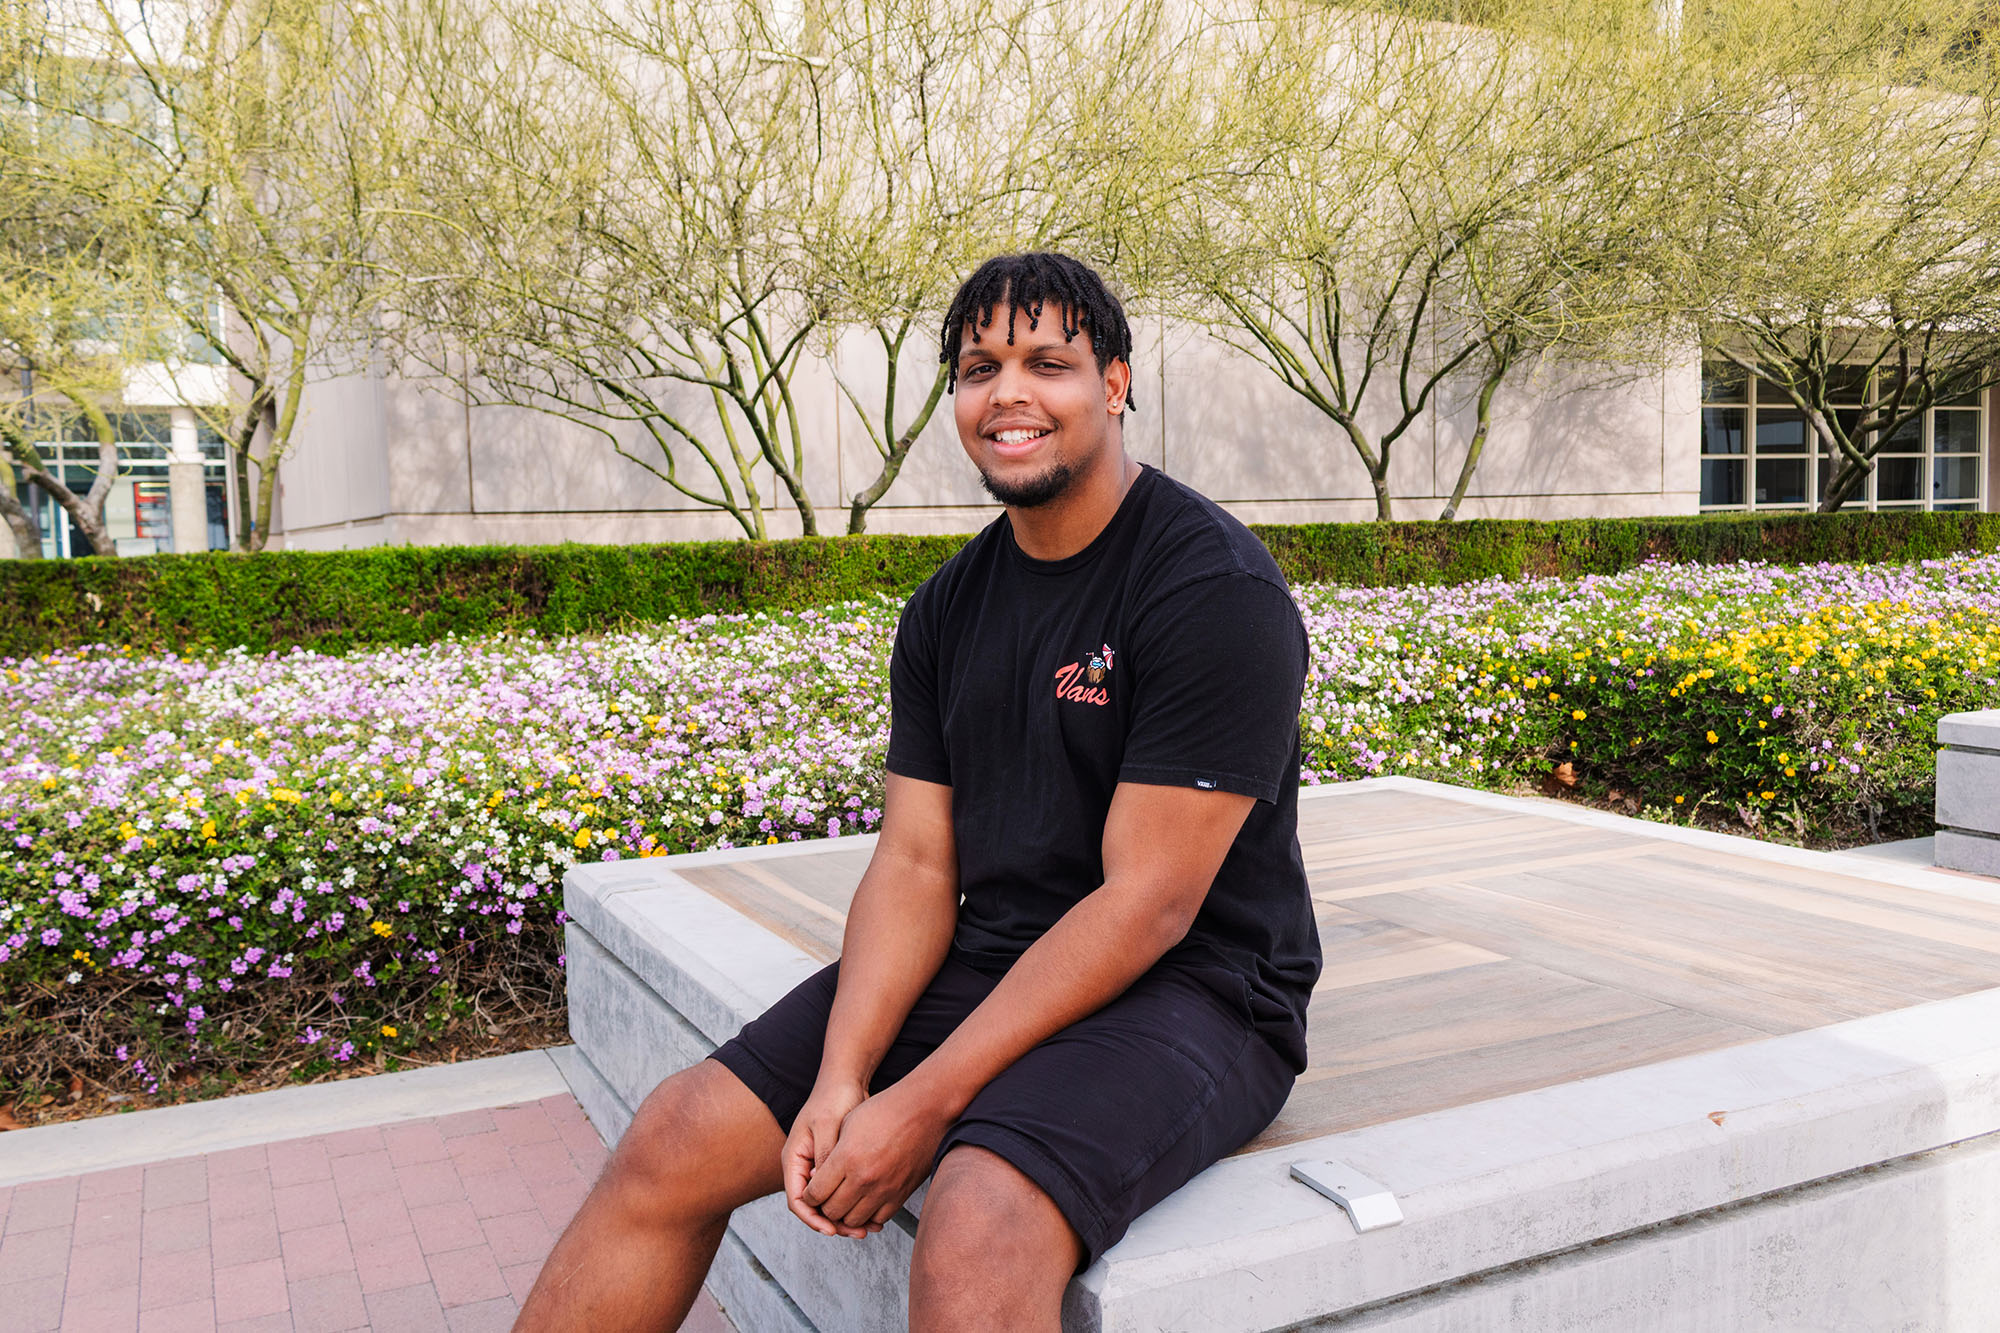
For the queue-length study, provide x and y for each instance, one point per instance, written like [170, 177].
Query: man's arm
[898, 929]
[1162, 849]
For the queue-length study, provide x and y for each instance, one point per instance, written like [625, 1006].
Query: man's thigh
[777, 1055]
[1119, 1110]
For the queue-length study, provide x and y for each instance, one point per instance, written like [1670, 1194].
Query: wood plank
[1461, 868]
[1698, 960]
[808, 932]
[1458, 1078]
[1421, 1017]
[1948, 908]
[1878, 964]
[1386, 811]
[1420, 960]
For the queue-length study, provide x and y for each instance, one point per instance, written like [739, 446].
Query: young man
[1075, 972]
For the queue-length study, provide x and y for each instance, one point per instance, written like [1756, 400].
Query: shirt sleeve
[916, 721]
[1219, 668]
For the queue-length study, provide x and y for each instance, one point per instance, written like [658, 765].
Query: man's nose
[1010, 385]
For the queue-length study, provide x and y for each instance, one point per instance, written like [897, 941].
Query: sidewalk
[383, 1219]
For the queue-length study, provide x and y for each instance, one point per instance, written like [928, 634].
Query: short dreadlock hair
[1026, 284]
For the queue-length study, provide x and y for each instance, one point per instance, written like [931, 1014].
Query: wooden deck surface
[1474, 952]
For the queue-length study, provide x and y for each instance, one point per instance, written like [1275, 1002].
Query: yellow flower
[208, 828]
[1767, 795]
[1679, 799]
[1579, 714]
[582, 838]
[388, 1030]
[382, 928]
[1711, 738]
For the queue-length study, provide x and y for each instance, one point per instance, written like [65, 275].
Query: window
[1757, 451]
[139, 510]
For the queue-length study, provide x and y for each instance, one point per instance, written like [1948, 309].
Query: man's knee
[982, 1213]
[700, 1144]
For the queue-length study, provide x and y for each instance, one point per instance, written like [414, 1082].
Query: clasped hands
[852, 1159]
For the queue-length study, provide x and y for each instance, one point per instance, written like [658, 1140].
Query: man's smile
[1018, 440]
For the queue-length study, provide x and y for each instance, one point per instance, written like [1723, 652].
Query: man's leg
[636, 1253]
[993, 1251]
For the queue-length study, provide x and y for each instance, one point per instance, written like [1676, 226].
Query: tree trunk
[1847, 482]
[808, 523]
[27, 535]
[86, 510]
[1475, 448]
[1384, 507]
[892, 462]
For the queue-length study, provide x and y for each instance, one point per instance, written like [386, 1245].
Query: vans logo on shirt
[1082, 682]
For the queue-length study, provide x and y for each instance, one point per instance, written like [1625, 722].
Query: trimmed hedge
[335, 600]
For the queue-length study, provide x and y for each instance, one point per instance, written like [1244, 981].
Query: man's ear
[1117, 385]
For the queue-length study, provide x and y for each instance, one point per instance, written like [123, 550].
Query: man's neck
[1070, 522]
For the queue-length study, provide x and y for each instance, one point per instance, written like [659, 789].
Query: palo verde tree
[1391, 203]
[598, 212]
[72, 310]
[262, 164]
[1838, 239]
[951, 125]
[663, 222]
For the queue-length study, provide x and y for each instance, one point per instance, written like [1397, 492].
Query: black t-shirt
[1166, 652]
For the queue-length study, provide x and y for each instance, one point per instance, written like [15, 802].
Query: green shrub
[332, 601]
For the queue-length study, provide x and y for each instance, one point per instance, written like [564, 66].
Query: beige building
[382, 459]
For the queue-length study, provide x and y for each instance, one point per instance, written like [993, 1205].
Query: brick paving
[425, 1225]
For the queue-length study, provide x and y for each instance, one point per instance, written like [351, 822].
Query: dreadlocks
[1026, 284]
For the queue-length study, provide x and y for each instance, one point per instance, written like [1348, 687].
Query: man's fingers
[827, 1176]
[842, 1206]
[798, 1165]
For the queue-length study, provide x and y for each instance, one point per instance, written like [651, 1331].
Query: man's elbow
[1166, 920]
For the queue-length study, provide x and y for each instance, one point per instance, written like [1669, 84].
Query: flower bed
[224, 862]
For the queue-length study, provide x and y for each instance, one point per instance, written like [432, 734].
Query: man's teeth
[1019, 436]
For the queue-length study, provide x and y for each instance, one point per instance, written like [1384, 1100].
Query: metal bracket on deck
[1367, 1203]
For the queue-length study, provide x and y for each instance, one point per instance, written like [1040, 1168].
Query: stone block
[1973, 853]
[632, 1037]
[1968, 790]
[749, 1295]
[1978, 730]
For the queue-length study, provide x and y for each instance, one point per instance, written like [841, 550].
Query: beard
[1034, 491]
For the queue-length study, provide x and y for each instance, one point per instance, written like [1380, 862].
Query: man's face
[1035, 413]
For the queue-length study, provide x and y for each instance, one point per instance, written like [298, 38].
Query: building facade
[380, 458]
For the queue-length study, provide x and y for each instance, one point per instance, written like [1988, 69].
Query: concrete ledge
[1699, 1185]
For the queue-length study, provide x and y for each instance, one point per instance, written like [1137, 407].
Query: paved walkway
[436, 1223]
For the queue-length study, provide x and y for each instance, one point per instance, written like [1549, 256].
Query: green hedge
[335, 600]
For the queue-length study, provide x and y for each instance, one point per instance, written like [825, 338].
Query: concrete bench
[1968, 792]
[1615, 1075]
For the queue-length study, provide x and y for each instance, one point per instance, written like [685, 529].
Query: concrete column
[1968, 792]
[186, 486]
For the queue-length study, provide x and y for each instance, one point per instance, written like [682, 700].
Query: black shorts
[1108, 1116]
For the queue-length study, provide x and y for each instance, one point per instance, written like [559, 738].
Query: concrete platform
[1618, 1075]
